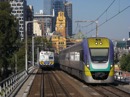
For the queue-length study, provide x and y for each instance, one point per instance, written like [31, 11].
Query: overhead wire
[102, 13]
[110, 18]
[106, 10]
[107, 19]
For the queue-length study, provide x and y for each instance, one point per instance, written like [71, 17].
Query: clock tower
[61, 24]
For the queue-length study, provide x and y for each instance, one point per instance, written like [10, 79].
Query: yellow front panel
[87, 71]
[98, 42]
[41, 62]
[111, 71]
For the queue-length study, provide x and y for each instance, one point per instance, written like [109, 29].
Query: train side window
[81, 55]
[77, 56]
[67, 56]
[72, 56]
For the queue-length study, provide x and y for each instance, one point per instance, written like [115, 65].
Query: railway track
[53, 87]
[48, 83]
[36, 85]
[110, 91]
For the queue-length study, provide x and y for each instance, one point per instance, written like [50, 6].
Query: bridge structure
[44, 16]
[11, 86]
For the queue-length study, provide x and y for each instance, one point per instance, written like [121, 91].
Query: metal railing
[13, 83]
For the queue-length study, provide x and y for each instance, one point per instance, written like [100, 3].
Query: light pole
[33, 36]
[94, 22]
[26, 45]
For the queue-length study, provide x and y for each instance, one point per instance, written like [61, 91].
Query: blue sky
[116, 28]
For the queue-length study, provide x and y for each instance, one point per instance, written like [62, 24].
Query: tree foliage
[8, 34]
[43, 43]
[125, 62]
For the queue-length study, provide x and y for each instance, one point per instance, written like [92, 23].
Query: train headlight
[100, 43]
[96, 43]
[88, 66]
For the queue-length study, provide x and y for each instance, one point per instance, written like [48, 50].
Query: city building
[121, 44]
[48, 10]
[19, 10]
[58, 42]
[30, 12]
[61, 24]
[68, 15]
[58, 5]
[37, 28]
[48, 7]
[59, 36]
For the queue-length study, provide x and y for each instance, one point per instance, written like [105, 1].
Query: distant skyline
[116, 28]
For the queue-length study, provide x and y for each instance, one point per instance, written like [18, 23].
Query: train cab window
[99, 55]
[42, 57]
[50, 57]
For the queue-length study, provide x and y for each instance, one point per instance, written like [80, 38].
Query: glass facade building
[68, 15]
[48, 7]
[48, 10]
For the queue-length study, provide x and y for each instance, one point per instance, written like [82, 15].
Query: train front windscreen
[99, 55]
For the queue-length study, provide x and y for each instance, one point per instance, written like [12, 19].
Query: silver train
[91, 60]
[46, 59]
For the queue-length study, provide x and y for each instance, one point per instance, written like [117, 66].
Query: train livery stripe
[87, 71]
[111, 71]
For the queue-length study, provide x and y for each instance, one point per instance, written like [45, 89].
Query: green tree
[125, 62]
[8, 35]
[128, 67]
[21, 57]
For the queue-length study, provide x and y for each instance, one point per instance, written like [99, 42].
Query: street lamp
[26, 45]
[33, 36]
[94, 22]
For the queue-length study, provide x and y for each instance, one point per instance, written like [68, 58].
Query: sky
[114, 17]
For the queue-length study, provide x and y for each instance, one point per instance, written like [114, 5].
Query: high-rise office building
[19, 10]
[48, 7]
[68, 15]
[59, 6]
[30, 13]
[48, 10]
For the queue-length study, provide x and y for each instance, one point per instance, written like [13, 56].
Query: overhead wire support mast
[92, 22]
[26, 44]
